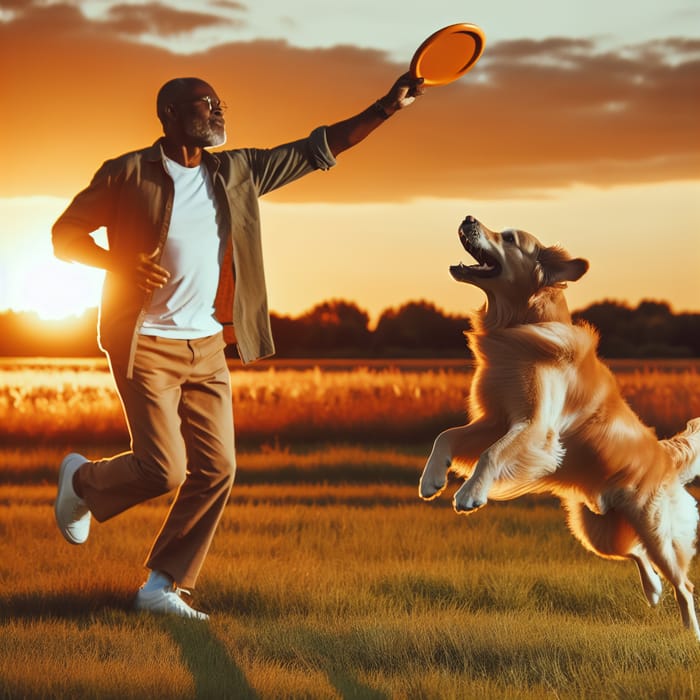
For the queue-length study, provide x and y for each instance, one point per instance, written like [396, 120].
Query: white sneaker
[167, 601]
[72, 514]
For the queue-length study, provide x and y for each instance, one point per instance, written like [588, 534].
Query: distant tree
[336, 328]
[285, 331]
[686, 333]
[339, 328]
[653, 309]
[419, 328]
[606, 315]
[650, 330]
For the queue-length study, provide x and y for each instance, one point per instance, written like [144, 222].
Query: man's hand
[402, 93]
[149, 275]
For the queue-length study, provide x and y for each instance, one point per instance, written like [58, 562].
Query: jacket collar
[155, 154]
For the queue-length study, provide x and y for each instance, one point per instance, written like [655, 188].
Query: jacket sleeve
[274, 167]
[89, 210]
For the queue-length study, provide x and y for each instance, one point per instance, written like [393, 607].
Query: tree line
[418, 329]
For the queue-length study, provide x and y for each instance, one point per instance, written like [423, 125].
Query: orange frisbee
[448, 54]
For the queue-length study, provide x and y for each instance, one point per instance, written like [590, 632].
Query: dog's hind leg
[462, 446]
[611, 536]
[651, 583]
[667, 526]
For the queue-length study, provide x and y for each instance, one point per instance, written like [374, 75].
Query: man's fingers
[156, 278]
[151, 270]
[149, 275]
[406, 89]
[150, 282]
[417, 88]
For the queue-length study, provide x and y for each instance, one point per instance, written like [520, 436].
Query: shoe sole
[67, 461]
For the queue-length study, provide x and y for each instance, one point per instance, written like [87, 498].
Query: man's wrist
[381, 110]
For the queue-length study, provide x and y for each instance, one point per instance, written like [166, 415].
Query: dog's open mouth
[487, 265]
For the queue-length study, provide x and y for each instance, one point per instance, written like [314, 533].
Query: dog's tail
[684, 450]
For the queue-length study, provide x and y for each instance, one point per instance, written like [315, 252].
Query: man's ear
[557, 266]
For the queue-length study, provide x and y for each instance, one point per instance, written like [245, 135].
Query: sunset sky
[580, 124]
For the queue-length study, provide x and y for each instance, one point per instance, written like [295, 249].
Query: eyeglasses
[213, 106]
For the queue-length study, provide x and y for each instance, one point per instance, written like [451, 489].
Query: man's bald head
[178, 90]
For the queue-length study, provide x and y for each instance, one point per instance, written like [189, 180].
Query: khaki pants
[178, 409]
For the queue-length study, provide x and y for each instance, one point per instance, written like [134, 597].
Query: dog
[546, 416]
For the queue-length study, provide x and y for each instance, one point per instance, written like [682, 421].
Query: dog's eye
[508, 237]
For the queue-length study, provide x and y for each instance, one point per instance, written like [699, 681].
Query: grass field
[50, 402]
[328, 577]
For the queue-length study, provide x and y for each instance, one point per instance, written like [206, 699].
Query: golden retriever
[546, 416]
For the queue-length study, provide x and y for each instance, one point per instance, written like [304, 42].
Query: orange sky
[592, 146]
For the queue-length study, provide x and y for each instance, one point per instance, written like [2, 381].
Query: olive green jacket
[132, 197]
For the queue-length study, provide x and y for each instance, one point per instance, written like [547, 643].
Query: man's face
[200, 117]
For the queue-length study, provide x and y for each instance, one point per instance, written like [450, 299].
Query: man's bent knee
[221, 472]
[162, 476]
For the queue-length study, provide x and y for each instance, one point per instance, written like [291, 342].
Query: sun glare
[31, 278]
[57, 290]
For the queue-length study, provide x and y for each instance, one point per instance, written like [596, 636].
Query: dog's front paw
[468, 499]
[433, 480]
[431, 488]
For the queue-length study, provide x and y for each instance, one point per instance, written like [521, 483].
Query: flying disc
[448, 54]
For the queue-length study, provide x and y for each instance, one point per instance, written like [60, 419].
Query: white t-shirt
[184, 307]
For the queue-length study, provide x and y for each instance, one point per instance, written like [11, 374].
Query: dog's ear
[558, 267]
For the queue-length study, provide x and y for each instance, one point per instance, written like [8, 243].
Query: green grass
[328, 578]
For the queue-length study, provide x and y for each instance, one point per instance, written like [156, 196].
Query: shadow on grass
[214, 672]
[338, 656]
[350, 687]
[217, 675]
[63, 606]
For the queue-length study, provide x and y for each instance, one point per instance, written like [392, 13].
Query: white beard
[205, 134]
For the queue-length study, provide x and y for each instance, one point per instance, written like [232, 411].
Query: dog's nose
[468, 228]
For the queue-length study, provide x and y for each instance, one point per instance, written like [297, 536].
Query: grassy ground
[329, 579]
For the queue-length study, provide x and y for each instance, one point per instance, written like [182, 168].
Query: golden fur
[546, 416]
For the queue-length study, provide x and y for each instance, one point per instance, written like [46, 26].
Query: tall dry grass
[55, 404]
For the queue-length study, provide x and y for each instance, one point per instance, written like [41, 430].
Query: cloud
[154, 18]
[126, 19]
[229, 5]
[532, 115]
[16, 5]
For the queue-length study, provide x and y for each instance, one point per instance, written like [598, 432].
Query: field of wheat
[328, 578]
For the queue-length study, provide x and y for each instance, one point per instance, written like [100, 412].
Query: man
[183, 229]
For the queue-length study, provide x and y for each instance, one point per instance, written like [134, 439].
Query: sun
[31, 277]
[56, 290]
